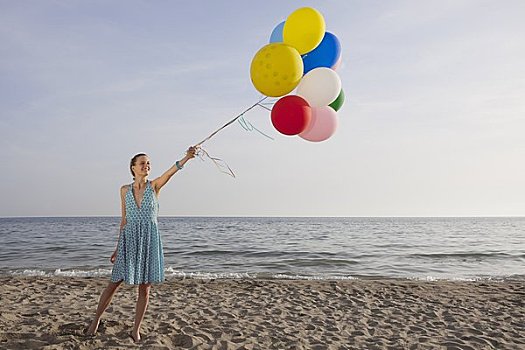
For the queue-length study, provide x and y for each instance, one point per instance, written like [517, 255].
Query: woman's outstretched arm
[159, 182]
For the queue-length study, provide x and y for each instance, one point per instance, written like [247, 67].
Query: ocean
[285, 248]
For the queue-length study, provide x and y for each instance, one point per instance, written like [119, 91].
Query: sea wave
[172, 273]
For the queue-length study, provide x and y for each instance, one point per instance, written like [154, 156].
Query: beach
[53, 312]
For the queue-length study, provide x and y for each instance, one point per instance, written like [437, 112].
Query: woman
[138, 258]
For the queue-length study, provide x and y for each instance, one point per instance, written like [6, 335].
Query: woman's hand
[190, 153]
[113, 257]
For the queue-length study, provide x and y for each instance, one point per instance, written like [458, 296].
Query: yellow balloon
[276, 69]
[304, 29]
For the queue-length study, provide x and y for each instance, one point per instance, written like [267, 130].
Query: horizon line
[268, 216]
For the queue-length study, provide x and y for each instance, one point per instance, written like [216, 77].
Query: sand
[52, 313]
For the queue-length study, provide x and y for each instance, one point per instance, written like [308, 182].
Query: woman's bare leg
[142, 305]
[103, 303]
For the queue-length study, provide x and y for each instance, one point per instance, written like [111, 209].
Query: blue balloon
[325, 54]
[277, 33]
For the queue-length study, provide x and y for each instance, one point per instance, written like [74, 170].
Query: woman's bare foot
[135, 336]
[93, 327]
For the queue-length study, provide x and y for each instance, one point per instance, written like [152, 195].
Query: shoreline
[36, 312]
[272, 217]
[172, 275]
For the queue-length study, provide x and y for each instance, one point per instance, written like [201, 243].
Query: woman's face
[142, 166]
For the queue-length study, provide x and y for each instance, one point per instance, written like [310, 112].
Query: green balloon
[338, 103]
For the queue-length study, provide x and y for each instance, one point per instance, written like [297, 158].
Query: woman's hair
[133, 161]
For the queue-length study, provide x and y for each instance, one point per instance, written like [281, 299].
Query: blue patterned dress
[140, 258]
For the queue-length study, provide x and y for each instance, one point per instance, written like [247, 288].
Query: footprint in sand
[183, 340]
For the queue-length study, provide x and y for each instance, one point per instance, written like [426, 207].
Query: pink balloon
[337, 64]
[322, 124]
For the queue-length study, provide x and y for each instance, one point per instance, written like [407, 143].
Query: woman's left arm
[159, 182]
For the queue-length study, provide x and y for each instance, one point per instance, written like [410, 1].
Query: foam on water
[61, 273]
[171, 273]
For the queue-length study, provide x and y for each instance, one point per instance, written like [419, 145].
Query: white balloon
[319, 87]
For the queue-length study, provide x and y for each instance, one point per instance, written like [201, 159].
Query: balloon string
[268, 109]
[222, 165]
[231, 121]
[219, 163]
[248, 126]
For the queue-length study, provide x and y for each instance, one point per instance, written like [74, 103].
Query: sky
[433, 123]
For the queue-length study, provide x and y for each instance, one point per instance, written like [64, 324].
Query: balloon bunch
[301, 55]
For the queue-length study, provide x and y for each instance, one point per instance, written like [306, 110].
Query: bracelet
[178, 165]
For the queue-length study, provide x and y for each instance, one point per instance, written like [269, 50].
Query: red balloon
[291, 115]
